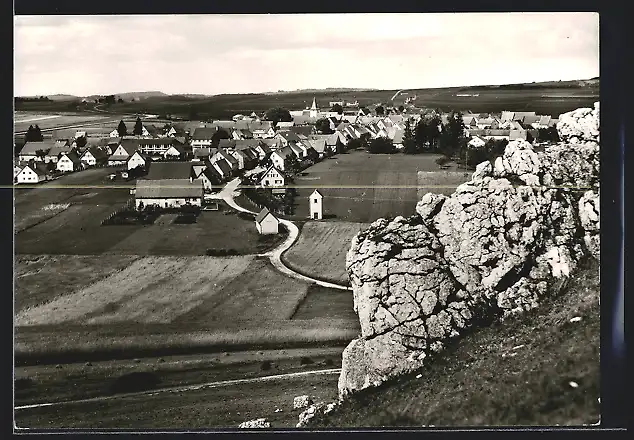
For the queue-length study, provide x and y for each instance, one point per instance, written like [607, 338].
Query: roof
[38, 168]
[317, 192]
[155, 141]
[228, 157]
[202, 152]
[214, 176]
[59, 149]
[227, 125]
[72, 156]
[398, 136]
[226, 143]
[296, 148]
[273, 167]
[306, 130]
[263, 214]
[243, 144]
[531, 119]
[30, 148]
[224, 166]
[96, 152]
[304, 119]
[284, 152]
[283, 124]
[168, 188]
[204, 133]
[169, 170]
[130, 145]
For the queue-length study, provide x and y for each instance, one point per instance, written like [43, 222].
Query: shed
[266, 222]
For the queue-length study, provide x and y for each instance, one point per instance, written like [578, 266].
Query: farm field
[360, 187]
[22, 120]
[168, 303]
[222, 407]
[320, 251]
[321, 300]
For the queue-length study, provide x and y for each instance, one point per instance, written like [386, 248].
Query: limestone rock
[302, 401]
[581, 124]
[500, 242]
[257, 423]
[309, 413]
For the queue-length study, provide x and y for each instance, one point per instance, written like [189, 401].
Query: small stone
[517, 347]
[418, 376]
[573, 384]
[576, 319]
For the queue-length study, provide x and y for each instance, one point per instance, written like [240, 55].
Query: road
[181, 389]
[228, 193]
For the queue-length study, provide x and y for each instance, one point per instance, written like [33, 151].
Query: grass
[512, 373]
[170, 305]
[320, 251]
[42, 278]
[359, 187]
[440, 182]
[24, 120]
[324, 302]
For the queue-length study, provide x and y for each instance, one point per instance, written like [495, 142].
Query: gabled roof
[59, 149]
[202, 152]
[130, 145]
[303, 129]
[243, 144]
[273, 167]
[37, 168]
[169, 170]
[530, 119]
[226, 143]
[72, 156]
[265, 146]
[96, 152]
[296, 148]
[213, 175]
[226, 125]
[284, 152]
[263, 214]
[168, 188]
[304, 119]
[224, 166]
[316, 192]
[250, 153]
[31, 148]
[228, 157]
[203, 134]
[289, 136]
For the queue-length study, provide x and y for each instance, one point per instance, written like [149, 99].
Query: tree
[409, 140]
[278, 114]
[34, 134]
[401, 108]
[110, 99]
[381, 145]
[452, 138]
[380, 110]
[219, 134]
[81, 142]
[323, 126]
[292, 164]
[337, 108]
[365, 111]
[122, 129]
[138, 127]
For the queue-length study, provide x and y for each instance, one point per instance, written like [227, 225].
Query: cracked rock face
[491, 250]
[257, 423]
[579, 125]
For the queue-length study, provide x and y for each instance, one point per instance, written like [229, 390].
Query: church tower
[313, 109]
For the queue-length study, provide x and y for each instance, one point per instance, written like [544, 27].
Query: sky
[215, 54]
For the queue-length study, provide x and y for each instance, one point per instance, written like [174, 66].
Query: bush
[306, 361]
[266, 365]
[133, 382]
[442, 160]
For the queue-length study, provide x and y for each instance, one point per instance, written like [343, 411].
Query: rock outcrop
[318, 408]
[492, 249]
[302, 402]
[257, 423]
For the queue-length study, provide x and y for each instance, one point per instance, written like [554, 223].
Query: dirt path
[181, 389]
[228, 193]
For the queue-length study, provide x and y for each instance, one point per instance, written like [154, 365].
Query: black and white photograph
[306, 221]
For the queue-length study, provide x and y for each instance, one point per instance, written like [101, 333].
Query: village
[183, 164]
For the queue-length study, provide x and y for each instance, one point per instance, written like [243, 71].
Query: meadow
[362, 187]
[320, 251]
[48, 121]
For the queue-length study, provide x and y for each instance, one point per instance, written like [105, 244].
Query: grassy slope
[483, 380]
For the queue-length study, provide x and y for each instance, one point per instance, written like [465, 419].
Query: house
[319, 144]
[136, 160]
[56, 151]
[529, 120]
[156, 147]
[476, 142]
[170, 170]
[299, 152]
[210, 178]
[240, 157]
[281, 157]
[519, 116]
[168, 193]
[222, 154]
[79, 134]
[126, 148]
[32, 173]
[517, 133]
[114, 133]
[507, 116]
[16, 170]
[68, 162]
[306, 130]
[202, 154]
[266, 223]
[283, 125]
[202, 137]
[35, 150]
[316, 205]
[223, 168]
[397, 138]
[93, 156]
[263, 151]
[470, 121]
[273, 177]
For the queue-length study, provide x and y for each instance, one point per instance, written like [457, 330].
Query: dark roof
[202, 152]
[130, 145]
[155, 141]
[306, 130]
[317, 191]
[263, 214]
[226, 143]
[227, 125]
[59, 149]
[204, 133]
[96, 152]
[30, 148]
[72, 156]
[243, 144]
[296, 148]
[169, 170]
[214, 176]
[228, 157]
[168, 188]
[224, 166]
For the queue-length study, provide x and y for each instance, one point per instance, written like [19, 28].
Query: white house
[68, 162]
[476, 142]
[16, 170]
[168, 193]
[266, 223]
[136, 160]
[93, 156]
[202, 137]
[122, 153]
[280, 157]
[316, 206]
[32, 174]
[114, 133]
[273, 178]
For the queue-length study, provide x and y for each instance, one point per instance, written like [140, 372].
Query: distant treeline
[33, 99]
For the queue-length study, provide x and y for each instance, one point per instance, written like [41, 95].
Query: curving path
[228, 193]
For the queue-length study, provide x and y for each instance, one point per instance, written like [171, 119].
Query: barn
[168, 193]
